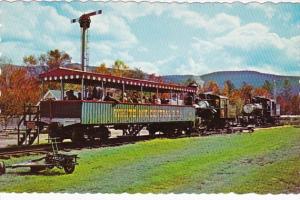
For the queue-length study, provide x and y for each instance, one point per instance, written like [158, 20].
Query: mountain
[238, 78]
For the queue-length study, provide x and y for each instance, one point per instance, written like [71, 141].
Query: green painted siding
[107, 113]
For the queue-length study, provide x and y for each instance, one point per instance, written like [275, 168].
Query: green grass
[267, 161]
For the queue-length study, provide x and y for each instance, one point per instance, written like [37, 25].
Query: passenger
[109, 97]
[144, 100]
[70, 95]
[153, 99]
[196, 104]
[129, 100]
[164, 101]
[89, 94]
[99, 93]
[135, 98]
[156, 100]
[124, 98]
[189, 99]
[94, 93]
[79, 96]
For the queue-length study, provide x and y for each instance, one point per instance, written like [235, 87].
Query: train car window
[217, 103]
[222, 104]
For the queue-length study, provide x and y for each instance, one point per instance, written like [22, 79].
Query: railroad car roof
[75, 76]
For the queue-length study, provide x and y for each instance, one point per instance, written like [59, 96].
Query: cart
[49, 161]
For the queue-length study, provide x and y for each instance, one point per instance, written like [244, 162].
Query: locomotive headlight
[248, 108]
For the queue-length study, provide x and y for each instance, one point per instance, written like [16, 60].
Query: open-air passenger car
[82, 118]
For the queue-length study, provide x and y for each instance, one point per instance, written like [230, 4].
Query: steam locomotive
[217, 112]
[260, 111]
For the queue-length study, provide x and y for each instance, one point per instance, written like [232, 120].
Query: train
[91, 115]
[260, 111]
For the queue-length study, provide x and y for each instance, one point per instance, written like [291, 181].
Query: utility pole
[84, 22]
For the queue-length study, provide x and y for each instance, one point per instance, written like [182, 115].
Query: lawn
[267, 161]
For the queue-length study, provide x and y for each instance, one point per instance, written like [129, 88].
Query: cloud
[267, 9]
[173, 47]
[40, 28]
[148, 67]
[220, 23]
[251, 36]
[256, 37]
[34, 30]
[133, 10]
[249, 47]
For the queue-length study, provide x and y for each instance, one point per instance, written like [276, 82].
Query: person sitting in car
[70, 95]
[109, 97]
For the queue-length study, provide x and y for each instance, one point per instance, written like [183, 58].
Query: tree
[237, 100]
[287, 89]
[135, 73]
[212, 86]
[42, 60]
[30, 60]
[228, 88]
[17, 88]
[286, 96]
[295, 105]
[56, 58]
[119, 68]
[189, 81]
[260, 91]
[102, 69]
[246, 91]
[268, 86]
[53, 59]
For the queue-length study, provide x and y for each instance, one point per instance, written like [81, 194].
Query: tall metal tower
[85, 21]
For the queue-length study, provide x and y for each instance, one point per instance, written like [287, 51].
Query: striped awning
[75, 76]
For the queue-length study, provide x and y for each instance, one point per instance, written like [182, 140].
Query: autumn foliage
[17, 88]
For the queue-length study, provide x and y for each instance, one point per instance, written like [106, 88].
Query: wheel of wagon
[69, 167]
[2, 168]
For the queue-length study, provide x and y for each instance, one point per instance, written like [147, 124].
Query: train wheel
[152, 131]
[54, 131]
[178, 132]
[77, 135]
[188, 131]
[2, 168]
[104, 133]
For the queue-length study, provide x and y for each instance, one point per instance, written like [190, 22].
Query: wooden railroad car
[82, 117]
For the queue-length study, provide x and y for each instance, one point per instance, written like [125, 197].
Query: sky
[161, 38]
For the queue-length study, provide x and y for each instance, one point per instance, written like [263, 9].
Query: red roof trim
[65, 73]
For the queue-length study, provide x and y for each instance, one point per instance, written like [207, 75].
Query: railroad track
[6, 153]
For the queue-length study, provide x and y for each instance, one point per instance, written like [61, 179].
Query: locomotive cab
[215, 110]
